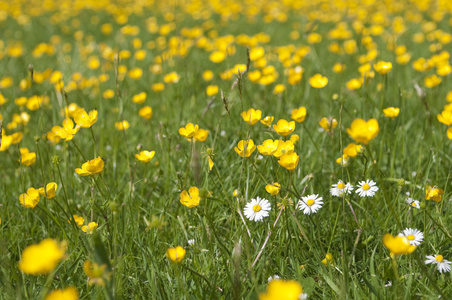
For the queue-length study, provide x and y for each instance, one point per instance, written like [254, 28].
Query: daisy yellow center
[366, 186]
[413, 204]
[410, 237]
[310, 202]
[257, 208]
[439, 258]
[340, 185]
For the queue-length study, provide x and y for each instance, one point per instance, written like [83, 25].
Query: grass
[137, 205]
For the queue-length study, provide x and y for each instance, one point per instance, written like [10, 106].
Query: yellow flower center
[340, 185]
[439, 258]
[310, 202]
[410, 237]
[257, 208]
[366, 186]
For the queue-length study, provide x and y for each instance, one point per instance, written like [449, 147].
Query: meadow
[207, 149]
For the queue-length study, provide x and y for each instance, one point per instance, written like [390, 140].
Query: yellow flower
[338, 68]
[273, 188]
[91, 167]
[207, 75]
[294, 138]
[145, 112]
[328, 124]
[391, 112]
[158, 87]
[68, 130]
[328, 259]
[383, 67]
[175, 254]
[278, 289]
[445, 117]
[212, 90]
[318, 81]
[267, 120]
[139, 98]
[172, 77]
[190, 199]
[189, 131]
[362, 131]
[354, 84]
[268, 147]
[145, 156]
[279, 88]
[42, 258]
[108, 94]
[449, 133]
[252, 116]
[283, 127]
[284, 147]
[85, 120]
[289, 161]
[49, 191]
[95, 273]
[449, 97]
[343, 160]
[29, 199]
[201, 135]
[89, 229]
[69, 293]
[434, 193]
[78, 220]
[398, 244]
[353, 150]
[122, 125]
[27, 158]
[135, 73]
[299, 114]
[245, 152]
[432, 81]
[217, 56]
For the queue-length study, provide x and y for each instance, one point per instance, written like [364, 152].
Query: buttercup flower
[298, 114]
[212, 90]
[318, 81]
[434, 193]
[42, 258]
[340, 189]
[383, 67]
[29, 199]
[245, 152]
[252, 116]
[201, 135]
[95, 273]
[391, 112]
[85, 120]
[414, 236]
[145, 156]
[190, 199]
[273, 188]
[139, 98]
[328, 124]
[257, 209]
[284, 147]
[27, 158]
[443, 265]
[69, 293]
[145, 112]
[353, 150]
[310, 204]
[68, 130]
[122, 125]
[267, 120]
[283, 290]
[268, 147]
[445, 117]
[50, 190]
[328, 260]
[175, 254]
[284, 128]
[89, 229]
[343, 160]
[289, 161]
[91, 167]
[78, 220]
[367, 188]
[397, 245]
[362, 131]
[189, 131]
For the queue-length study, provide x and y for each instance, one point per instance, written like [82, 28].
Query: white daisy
[340, 189]
[413, 203]
[257, 209]
[191, 242]
[273, 278]
[414, 236]
[367, 188]
[443, 265]
[310, 204]
[303, 296]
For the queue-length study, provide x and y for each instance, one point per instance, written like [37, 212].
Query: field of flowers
[225, 149]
